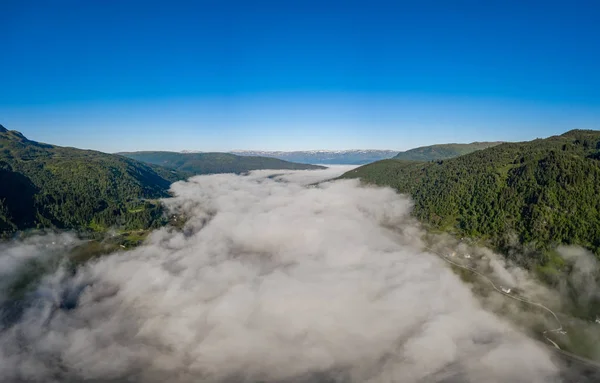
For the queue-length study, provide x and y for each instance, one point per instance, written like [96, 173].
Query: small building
[467, 256]
[505, 290]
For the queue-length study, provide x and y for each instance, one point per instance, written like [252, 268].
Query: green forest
[212, 163]
[443, 151]
[46, 186]
[532, 195]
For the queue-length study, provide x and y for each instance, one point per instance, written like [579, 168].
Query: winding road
[499, 290]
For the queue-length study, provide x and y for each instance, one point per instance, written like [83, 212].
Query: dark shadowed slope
[210, 163]
[44, 185]
[541, 193]
[443, 151]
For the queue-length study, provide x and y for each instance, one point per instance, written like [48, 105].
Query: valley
[566, 326]
[300, 192]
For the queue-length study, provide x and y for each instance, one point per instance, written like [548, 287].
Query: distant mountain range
[366, 156]
[210, 163]
[325, 157]
[443, 151]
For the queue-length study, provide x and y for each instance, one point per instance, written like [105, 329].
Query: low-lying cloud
[269, 281]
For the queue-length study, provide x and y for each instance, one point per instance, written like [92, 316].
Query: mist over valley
[268, 280]
[299, 192]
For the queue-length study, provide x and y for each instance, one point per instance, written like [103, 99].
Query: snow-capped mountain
[331, 157]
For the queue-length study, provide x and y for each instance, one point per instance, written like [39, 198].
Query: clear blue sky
[220, 75]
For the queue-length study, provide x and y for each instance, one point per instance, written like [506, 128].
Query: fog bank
[270, 281]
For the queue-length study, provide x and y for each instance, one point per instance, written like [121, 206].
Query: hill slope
[210, 163]
[546, 192]
[325, 157]
[443, 151]
[44, 185]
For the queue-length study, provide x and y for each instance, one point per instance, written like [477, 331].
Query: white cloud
[271, 281]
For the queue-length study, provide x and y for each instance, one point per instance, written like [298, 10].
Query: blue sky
[288, 75]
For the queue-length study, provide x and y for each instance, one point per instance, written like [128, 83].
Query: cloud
[21, 261]
[270, 281]
[584, 276]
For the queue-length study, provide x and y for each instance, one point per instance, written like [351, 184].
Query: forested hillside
[43, 185]
[443, 151]
[539, 193]
[211, 163]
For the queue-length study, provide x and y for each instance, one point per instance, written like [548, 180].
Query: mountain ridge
[444, 151]
[49, 186]
[364, 156]
[213, 162]
[540, 193]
